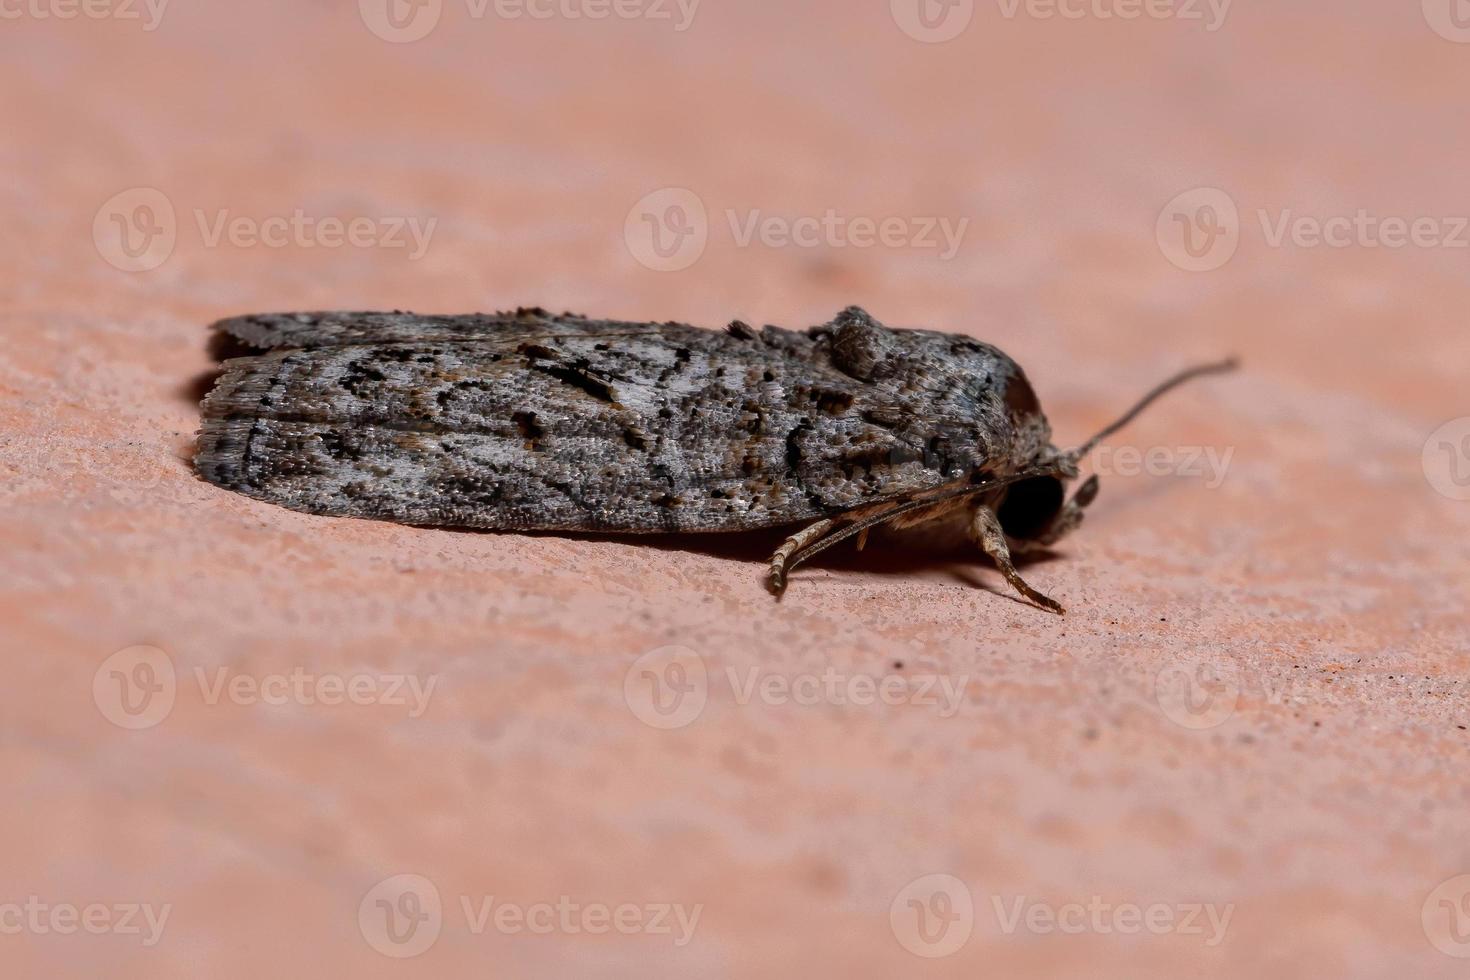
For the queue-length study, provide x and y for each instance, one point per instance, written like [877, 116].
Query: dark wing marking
[529, 421]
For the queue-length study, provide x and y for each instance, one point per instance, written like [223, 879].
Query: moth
[532, 421]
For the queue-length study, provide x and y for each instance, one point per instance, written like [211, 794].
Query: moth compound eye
[1031, 506]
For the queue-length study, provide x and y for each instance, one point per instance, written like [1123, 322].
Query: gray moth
[532, 421]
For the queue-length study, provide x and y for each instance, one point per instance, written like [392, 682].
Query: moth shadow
[221, 347]
[196, 388]
[885, 555]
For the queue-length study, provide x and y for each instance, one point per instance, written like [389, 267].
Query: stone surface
[1311, 784]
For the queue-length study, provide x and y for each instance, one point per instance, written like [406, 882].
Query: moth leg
[987, 531]
[793, 544]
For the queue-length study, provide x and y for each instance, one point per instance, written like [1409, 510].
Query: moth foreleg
[985, 526]
[807, 535]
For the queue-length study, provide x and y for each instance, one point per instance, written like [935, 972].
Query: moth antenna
[1219, 367]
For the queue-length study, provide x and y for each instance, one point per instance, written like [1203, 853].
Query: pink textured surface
[1321, 796]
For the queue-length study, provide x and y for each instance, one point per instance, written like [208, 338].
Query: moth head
[1029, 508]
[1031, 504]
[1035, 507]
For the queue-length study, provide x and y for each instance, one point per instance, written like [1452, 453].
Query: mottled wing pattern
[529, 421]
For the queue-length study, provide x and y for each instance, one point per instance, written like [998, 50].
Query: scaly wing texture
[533, 421]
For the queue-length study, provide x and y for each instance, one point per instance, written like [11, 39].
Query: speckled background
[1255, 708]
